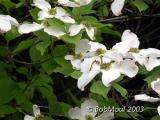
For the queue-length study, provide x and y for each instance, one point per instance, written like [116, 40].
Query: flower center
[105, 66]
[99, 52]
[52, 11]
[78, 56]
[88, 117]
[38, 117]
[134, 50]
[45, 23]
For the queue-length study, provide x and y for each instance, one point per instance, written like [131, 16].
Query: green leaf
[141, 5]
[49, 66]
[65, 108]
[8, 89]
[99, 88]
[60, 50]
[75, 74]
[34, 13]
[54, 107]
[23, 46]
[6, 109]
[7, 3]
[109, 31]
[103, 11]
[72, 39]
[42, 46]
[56, 23]
[83, 10]
[12, 34]
[156, 118]
[120, 89]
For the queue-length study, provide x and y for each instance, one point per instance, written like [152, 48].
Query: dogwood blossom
[155, 85]
[48, 12]
[26, 28]
[150, 58]
[37, 114]
[6, 23]
[75, 29]
[117, 7]
[74, 3]
[87, 112]
[111, 63]
[129, 40]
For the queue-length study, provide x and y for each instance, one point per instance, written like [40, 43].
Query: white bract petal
[75, 113]
[75, 29]
[87, 64]
[76, 3]
[54, 31]
[90, 32]
[156, 86]
[149, 58]
[114, 55]
[42, 15]
[87, 77]
[5, 26]
[83, 46]
[117, 7]
[76, 63]
[152, 62]
[63, 15]
[86, 105]
[110, 75]
[28, 28]
[96, 46]
[36, 110]
[27, 117]
[42, 4]
[146, 98]
[12, 20]
[6, 22]
[128, 67]
[129, 40]
[106, 116]
[68, 3]
[158, 109]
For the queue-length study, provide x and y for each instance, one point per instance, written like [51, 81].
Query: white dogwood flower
[146, 98]
[48, 12]
[75, 29]
[36, 113]
[6, 23]
[87, 112]
[28, 28]
[117, 7]
[81, 51]
[155, 85]
[97, 59]
[74, 3]
[150, 58]
[129, 40]
[110, 69]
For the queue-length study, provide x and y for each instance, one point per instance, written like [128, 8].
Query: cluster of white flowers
[92, 58]
[47, 12]
[86, 112]
[155, 85]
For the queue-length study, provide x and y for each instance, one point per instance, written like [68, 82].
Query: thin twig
[127, 18]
